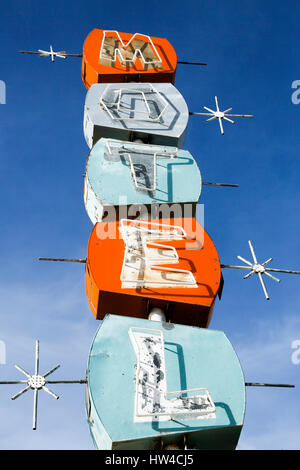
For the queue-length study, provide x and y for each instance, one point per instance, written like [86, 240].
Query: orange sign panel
[110, 57]
[133, 266]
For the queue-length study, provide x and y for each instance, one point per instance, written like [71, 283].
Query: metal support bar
[190, 63]
[64, 260]
[82, 381]
[51, 53]
[63, 53]
[221, 184]
[254, 384]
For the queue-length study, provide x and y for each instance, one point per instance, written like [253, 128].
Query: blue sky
[252, 51]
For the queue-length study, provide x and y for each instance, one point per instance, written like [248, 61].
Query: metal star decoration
[220, 115]
[260, 269]
[51, 53]
[37, 382]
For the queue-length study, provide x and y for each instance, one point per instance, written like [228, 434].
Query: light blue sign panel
[157, 113]
[133, 368]
[119, 171]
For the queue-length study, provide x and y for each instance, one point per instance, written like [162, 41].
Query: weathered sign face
[154, 114]
[111, 56]
[136, 264]
[138, 175]
[153, 384]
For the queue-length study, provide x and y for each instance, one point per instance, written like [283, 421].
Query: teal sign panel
[125, 173]
[153, 384]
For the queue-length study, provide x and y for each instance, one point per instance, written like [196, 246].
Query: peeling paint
[151, 395]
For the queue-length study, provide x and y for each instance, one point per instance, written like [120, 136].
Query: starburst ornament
[51, 53]
[37, 382]
[260, 269]
[220, 115]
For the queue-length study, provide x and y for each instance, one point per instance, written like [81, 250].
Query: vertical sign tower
[157, 377]
[152, 271]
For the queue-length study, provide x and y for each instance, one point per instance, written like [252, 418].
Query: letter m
[139, 45]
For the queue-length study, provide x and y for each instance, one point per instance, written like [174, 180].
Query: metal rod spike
[35, 405]
[51, 371]
[211, 111]
[282, 271]
[13, 382]
[190, 63]
[37, 356]
[22, 371]
[221, 184]
[20, 393]
[235, 267]
[272, 277]
[245, 261]
[267, 262]
[217, 103]
[249, 274]
[252, 251]
[46, 389]
[221, 126]
[83, 381]
[241, 115]
[64, 260]
[229, 120]
[263, 286]
[254, 384]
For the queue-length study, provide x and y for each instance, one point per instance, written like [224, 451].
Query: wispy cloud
[57, 314]
[272, 415]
